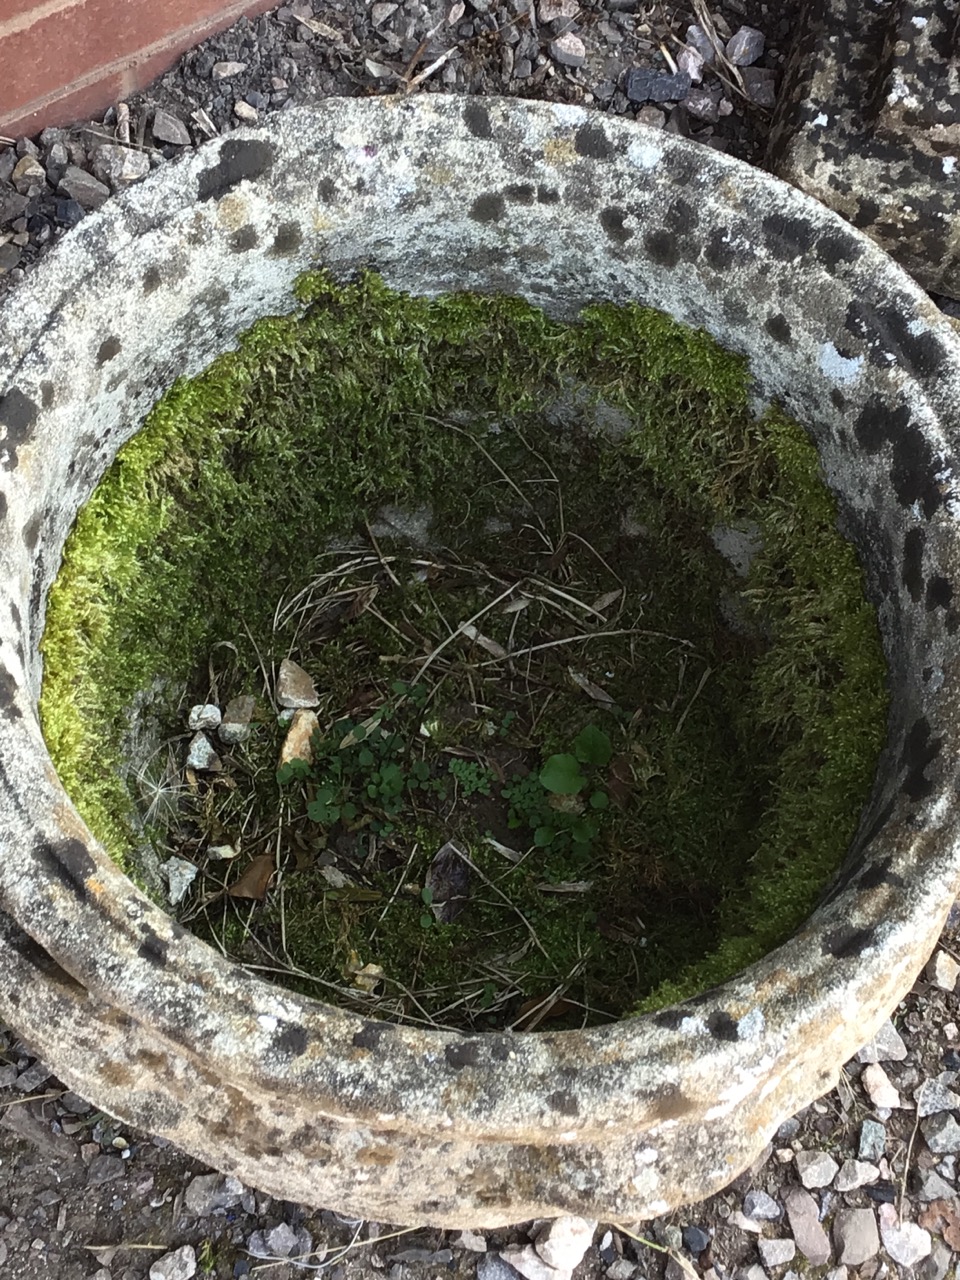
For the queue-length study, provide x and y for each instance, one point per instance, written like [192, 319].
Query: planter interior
[563, 208]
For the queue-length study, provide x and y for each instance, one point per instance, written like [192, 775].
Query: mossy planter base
[563, 207]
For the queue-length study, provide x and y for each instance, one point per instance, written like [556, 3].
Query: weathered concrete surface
[868, 121]
[563, 207]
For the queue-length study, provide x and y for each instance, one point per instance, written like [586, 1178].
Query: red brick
[121, 70]
[15, 13]
[65, 106]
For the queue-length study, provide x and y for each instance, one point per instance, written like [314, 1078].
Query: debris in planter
[447, 883]
[295, 688]
[297, 743]
[180, 875]
[504, 669]
[202, 755]
[235, 725]
[204, 716]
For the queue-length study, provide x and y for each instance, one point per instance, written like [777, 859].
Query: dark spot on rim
[879, 423]
[67, 862]
[717, 252]
[48, 394]
[880, 875]
[612, 222]
[833, 248]
[477, 120]
[548, 195]
[591, 141]
[8, 694]
[722, 1027]
[913, 472]
[152, 279]
[846, 942]
[240, 160]
[778, 328]
[31, 531]
[920, 749]
[153, 948]
[787, 238]
[662, 247]
[500, 1049]
[670, 1018]
[370, 1035]
[287, 241]
[488, 208]
[109, 348]
[939, 593]
[564, 1102]
[521, 192]
[244, 239]
[18, 415]
[290, 1040]
[463, 1055]
[913, 547]
[682, 217]
[921, 354]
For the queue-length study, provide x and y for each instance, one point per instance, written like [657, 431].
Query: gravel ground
[864, 1182]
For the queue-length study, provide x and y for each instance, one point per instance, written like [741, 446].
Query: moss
[753, 742]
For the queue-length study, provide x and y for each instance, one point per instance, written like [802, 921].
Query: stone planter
[564, 207]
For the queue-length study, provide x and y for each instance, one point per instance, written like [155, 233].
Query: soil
[81, 1196]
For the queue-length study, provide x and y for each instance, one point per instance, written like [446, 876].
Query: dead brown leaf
[255, 880]
[620, 780]
[941, 1217]
[539, 1009]
[361, 602]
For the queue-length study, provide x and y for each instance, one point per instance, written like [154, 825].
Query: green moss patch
[570, 761]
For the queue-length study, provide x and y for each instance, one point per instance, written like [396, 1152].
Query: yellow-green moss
[241, 476]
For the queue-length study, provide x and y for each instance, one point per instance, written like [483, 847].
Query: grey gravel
[873, 1140]
[167, 127]
[931, 1186]
[776, 1252]
[804, 1218]
[854, 1174]
[569, 50]
[816, 1168]
[904, 1241]
[695, 1240]
[490, 1266]
[119, 166]
[179, 1265]
[103, 1169]
[937, 1095]
[211, 1191]
[855, 1236]
[758, 1204]
[942, 1133]
[745, 46]
[886, 1046]
[83, 187]
[644, 85]
[934, 1267]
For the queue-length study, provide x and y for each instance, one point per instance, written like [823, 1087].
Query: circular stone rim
[317, 1104]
